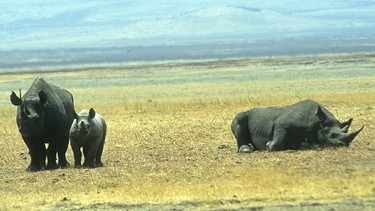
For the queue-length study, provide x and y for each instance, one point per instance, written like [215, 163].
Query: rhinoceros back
[59, 110]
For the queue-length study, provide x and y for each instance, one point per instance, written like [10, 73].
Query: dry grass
[169, 145]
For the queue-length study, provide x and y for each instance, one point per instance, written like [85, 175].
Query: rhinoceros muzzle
[31, 125]
[345, 138]
[28, 132]
[82, 130]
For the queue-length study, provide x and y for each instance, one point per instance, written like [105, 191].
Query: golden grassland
[169, 144]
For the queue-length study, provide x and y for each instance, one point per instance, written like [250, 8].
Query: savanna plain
[169, 144]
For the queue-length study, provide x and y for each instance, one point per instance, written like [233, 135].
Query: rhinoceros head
[30, 114]
[83, 122]
[333, 133]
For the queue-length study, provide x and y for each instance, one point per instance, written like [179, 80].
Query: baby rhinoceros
[88, 131]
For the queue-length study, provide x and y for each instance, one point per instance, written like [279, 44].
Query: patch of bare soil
[351, 204]
[169, 144]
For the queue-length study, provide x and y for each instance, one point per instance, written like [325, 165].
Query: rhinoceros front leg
[278, 141]
[62, 147]
[43, 155]
[37, 153]
[77, 152]
[51, 156]
[305, 145]
[89, 152]
[38, 157]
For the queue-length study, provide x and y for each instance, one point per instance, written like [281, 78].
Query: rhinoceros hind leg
[52, 166]
[99, 164]
[246, 148]
[241, 132]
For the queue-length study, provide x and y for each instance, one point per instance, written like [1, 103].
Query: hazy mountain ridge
[49, 33]
[63, 24]
[81, 58]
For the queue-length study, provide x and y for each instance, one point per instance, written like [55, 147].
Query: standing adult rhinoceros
[297, 126]
[44, 115]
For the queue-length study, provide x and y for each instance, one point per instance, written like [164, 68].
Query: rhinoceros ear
[320, 114]
[42, 97]
[15, 100]
[91, 113]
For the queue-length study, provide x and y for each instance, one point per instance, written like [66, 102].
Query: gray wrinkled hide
[88, 131]
[299, 126]
[44, 115]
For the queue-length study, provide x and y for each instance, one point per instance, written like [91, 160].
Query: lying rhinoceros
[301, 125]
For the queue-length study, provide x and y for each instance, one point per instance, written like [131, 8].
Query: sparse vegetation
[169, 145]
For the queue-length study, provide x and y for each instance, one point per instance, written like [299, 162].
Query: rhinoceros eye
[24, 116]
[327, 125]
[333, 135]
[27, 112]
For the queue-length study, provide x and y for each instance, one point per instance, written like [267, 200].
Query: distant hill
[36, 32]
[63, 24]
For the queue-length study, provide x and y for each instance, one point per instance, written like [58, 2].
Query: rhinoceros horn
[345, 129]
[346, 124]
[349, 137]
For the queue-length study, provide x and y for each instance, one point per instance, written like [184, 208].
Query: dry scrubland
[169, 144]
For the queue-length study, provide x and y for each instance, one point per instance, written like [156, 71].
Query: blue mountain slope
[56, 24]
[40, 34]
